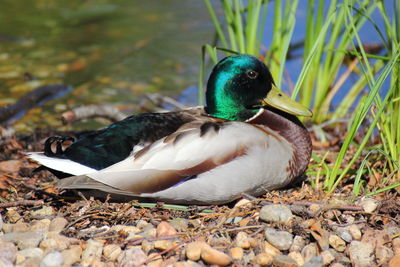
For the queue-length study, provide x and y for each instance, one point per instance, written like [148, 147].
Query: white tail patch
[63, 165]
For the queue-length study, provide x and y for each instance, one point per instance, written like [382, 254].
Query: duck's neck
[290, 128]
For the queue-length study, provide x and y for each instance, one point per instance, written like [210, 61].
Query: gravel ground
[297, 227]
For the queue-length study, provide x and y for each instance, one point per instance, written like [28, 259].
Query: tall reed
[332, 28]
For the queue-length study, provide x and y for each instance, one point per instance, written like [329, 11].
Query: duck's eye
[252, 74]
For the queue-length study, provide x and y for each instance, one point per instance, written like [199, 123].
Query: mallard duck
[246, 140]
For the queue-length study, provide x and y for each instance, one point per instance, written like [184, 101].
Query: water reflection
[110, 51]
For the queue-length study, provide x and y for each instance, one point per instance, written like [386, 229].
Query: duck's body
[201, 155]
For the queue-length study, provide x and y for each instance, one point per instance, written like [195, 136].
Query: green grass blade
[217, 25]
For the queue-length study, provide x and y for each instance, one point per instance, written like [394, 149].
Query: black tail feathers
[56, 145]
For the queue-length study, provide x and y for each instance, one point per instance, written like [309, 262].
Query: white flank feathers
[63, 165]
[263, 164]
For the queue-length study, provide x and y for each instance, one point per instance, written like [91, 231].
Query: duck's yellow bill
[277, 99]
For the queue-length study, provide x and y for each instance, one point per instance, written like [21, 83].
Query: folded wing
[194, 149]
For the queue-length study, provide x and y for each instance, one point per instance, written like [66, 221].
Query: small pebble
[41, 224]
[396, 245]
[236, 253]
[271, 250]
[243, 202]
[308, 223]
[125, 228]
[348, 218]
[132, 257]
[180, 224]
[24, 254]
[395, 261]
[391, 228]
[165, 229]
[344, 233]
[57, 224]
[193, 250]
[13, 215]
[164, 244]
[315, 261]
[72, 255]
[309, 251]
[169, 261]
[220, 241]
[298, 243]
[330, 214]
[343, 259]
[213, 256]
[284, 261]
[141, 224]
[147, 246]
[296, 255]
[376, 237]
[133, 236]
[263, 259]
[20, 227]
[355, 231]
[337, 264]
[44, 211]
[276, 213]
[31, 262]
[327, 257]
[92, 252]
[361, 254]
[383, 255]
[8, 228]
[242, 240]
[8, 251]
[149, 233]
[186, 264]
[31, 239]
[337, 243]
[6, 263]
[253, 242]
[53, 259]
[369, 204]
[248, 257]
[314, 207]
[51, 244]
[279, 239]
[63, 238]
[234, 220]
[111, 252]
[154, 260]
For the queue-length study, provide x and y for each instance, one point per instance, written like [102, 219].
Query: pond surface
[109, 51]
[115, 51]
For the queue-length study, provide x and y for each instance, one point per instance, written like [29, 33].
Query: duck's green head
[240, 85]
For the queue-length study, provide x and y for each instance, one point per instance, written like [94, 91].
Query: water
[109, 51]
[116, 51]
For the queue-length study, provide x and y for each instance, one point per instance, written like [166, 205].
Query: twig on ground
[346, 224]
[22, 203]
[244, 228]
[161, 253]
[338, 207]
[139, 241]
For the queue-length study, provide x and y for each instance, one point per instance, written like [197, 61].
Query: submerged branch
[93, 111]
[30, 100]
